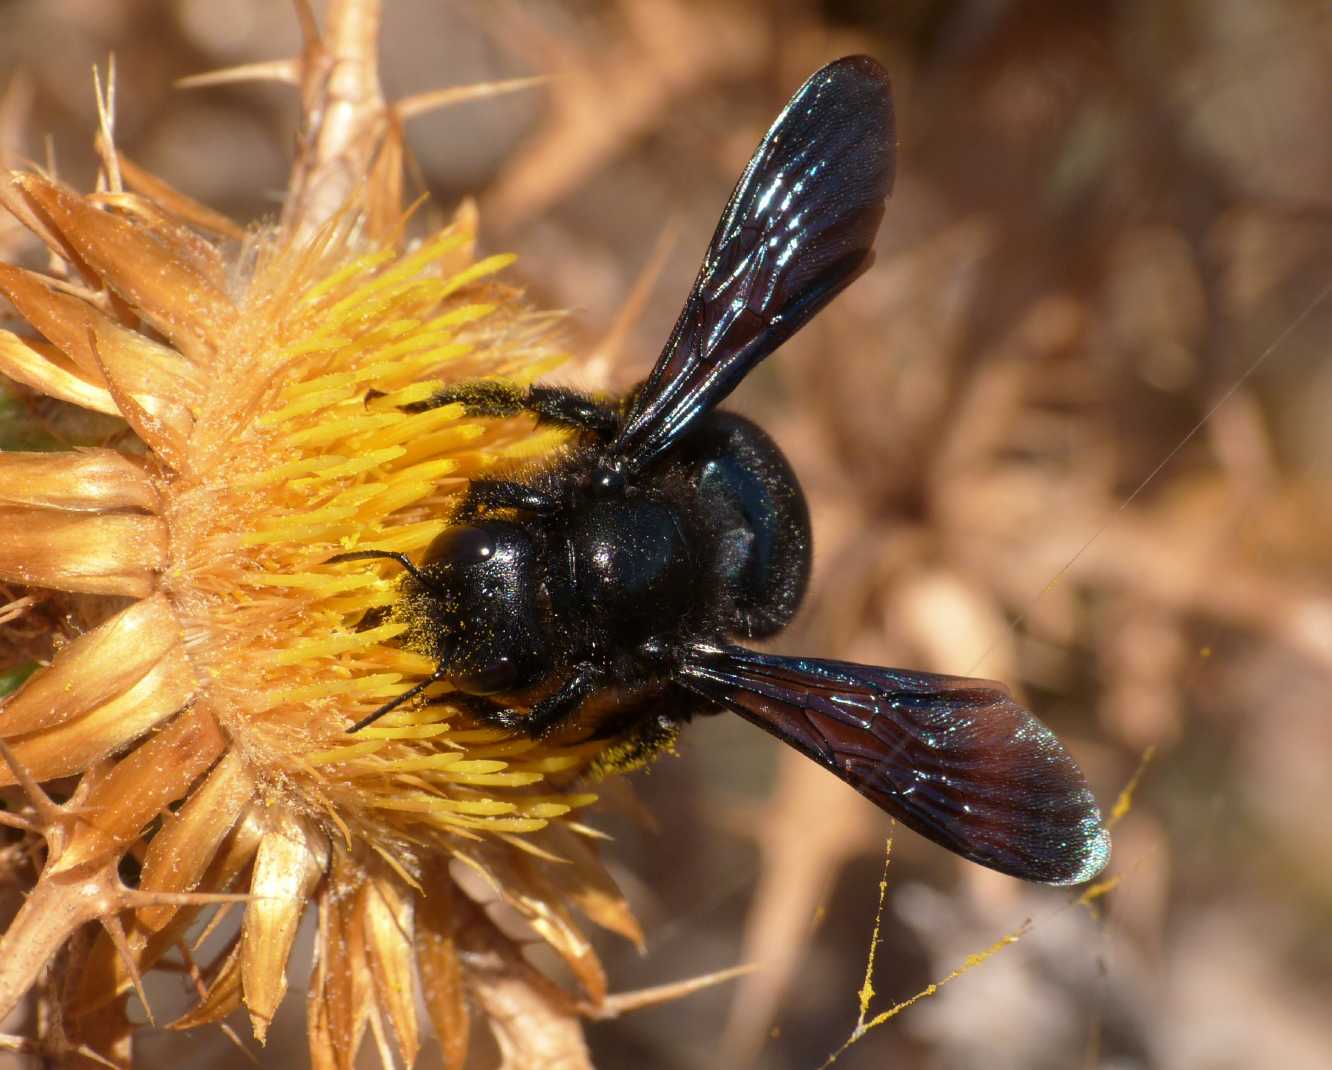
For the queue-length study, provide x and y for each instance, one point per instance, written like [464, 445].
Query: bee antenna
[393, 704]
[369, 555]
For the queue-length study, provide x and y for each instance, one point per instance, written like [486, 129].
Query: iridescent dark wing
[955, 759]
[798, 229]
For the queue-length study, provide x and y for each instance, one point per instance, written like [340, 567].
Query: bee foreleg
[545, 714]
[549, 404]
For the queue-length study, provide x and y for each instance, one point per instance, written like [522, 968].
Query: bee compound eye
[498, 675]
[461, 547]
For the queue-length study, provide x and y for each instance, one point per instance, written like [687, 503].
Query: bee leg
[545, 715]
[551, 711]
[638, 746]
[569, 408]
[482, 710]
[549, 404]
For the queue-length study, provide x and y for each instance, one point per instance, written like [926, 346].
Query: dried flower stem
[344, 111]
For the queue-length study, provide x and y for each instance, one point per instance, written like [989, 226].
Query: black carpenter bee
[612, 579]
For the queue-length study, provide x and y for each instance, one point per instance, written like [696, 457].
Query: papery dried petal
[585, 882]
[290, 861]
[105, 974]
[175, 202]
[142, 783]
[533, 1022]
[98, 666]
[541, 904]
[440, 967]
[27, 212]
[383, 201]
[174, 298]
[184, 243]
[98, 345]
[184, 847]
[319, 1001]
[223, 995]
[238, 849]
[74, 745]
[532, 1031]
[39, 366]
[98, 554]
[386, 919]
[338, 1004]
[109, 1033]
[162, 426]
[89, 480]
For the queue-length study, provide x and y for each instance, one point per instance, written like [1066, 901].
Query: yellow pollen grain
[375, 304]
[357, 465]
[380, 596]
[329, 688]
[437, 805]
[283, 472]
[420, 390]
[301, 527]
[340, 470]
[554, 764]
[337, 644]
[308, 581]
[460, 315]
[408, 537]
[427, 346]
[400, 494]
[454, 440]
[479, 735]
[321, 399]
[409, 267]
[338, 428]
[569, 802]
[489, 266]
[536, 445]
[345, 753]
[360, 266]
[492, 824]
[424, 731]
[496, 780]
[401, 429]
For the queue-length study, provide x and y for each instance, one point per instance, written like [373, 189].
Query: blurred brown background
[1106, 214]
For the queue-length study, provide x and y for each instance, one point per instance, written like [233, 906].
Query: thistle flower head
[201, 722]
